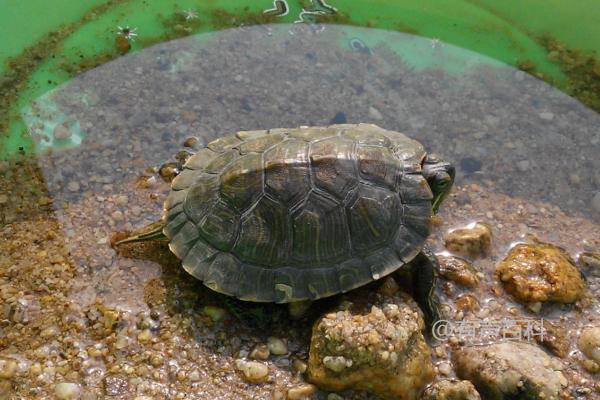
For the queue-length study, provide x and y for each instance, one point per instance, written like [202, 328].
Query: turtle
[295, 215]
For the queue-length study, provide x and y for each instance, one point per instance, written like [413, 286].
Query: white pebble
[73, 186]
[150, 182]
[337, 363]
[445, 368]
[67, 391]
[194, 376]
[117, 216]
[253, 371]
[276, 346]
[547, 116]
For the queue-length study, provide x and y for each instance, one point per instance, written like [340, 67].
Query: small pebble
[591, 366]
[574, 179]
[260, 352]
[301, 392]
[182, 156]
[523, 165]
[61, 132]
[121, 200]
[445, 368]
[299, 365]
[49, 332]
[145, 335]
[546, 116]
[591, 262]
[3, 199]
[67, 391]
[337, 363]
[157, 360]
[190, 142]
[535, 306]
[44, 201]
[194, 376]
[117, 215]
[8, 368]
[73, 186]
[168, 171]
[148, 182]
[276, 346]
[253, 371]
[473, 240]
[389, 287]
[334, 396]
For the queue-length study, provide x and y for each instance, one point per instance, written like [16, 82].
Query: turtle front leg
[426, 268]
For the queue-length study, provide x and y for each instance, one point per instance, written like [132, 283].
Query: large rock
[447, 389]
[540, 272]
[377, 347]
[511, 370]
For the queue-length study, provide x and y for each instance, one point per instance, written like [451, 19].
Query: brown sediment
[222, 19]
[581, 68]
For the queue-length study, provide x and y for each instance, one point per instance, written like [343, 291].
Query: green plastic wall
[506, 30]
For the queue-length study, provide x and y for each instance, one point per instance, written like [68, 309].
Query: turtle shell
[285, 215]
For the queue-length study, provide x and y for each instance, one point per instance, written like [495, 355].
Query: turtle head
[440, 177]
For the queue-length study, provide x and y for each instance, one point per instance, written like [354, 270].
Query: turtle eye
[443, 181]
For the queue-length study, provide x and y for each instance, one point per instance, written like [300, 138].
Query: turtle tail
[154, 231]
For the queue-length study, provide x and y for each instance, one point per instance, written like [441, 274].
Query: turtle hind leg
[153, 231]
[425, 272]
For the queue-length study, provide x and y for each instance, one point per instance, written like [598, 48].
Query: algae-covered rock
[540, 272]
[378, 347]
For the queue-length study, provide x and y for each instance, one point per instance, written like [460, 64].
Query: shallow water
[524, 151]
